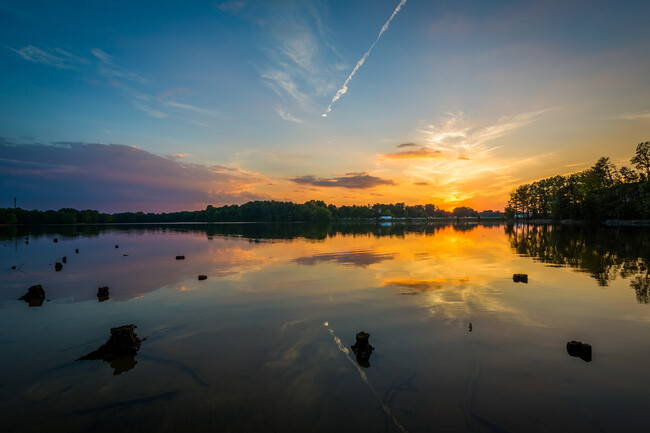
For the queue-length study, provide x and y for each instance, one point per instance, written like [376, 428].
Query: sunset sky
[162, 106]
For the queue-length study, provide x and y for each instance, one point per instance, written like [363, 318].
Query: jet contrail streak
[344, 89]
[364, 378]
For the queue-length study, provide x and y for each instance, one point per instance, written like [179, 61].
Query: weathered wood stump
[34, 297]
[520, 278]
[102, 294]
[579, 349]
[119, 350]
[362, 349]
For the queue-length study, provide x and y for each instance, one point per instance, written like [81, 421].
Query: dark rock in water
[203, 277]
[579, 349]
[180, 257]
[102, 294]
[34, 297]
[55, 240]
[125, 255]
[65, 259]
[117, 246]
[362, 349]
[76, 251]
[58, 266]
[13, 267]
[520, 278]
[119, 350]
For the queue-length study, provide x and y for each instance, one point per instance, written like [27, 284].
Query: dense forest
[598, 193]
[255, 211]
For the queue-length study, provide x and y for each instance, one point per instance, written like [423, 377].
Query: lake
[265, 342]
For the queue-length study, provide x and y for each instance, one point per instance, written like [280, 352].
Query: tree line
[598, 193]
[254, 211]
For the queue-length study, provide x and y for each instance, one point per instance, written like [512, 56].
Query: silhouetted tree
[642, 160]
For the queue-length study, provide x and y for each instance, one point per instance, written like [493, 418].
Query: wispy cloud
[55, 57]
[229, 6]
[350, 180]
[283, 82]
[109, 68]
[286, 115]
[147, 109]
[189, 107]
[361, 61]
[130, 83]
[640, 115]
[174, 94]
[300, 63]
[413, 152]
[459, 157]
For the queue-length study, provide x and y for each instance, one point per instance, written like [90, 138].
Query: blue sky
[489, 94]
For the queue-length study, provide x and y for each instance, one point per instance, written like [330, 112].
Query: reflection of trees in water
[253, 231]
[604, 252]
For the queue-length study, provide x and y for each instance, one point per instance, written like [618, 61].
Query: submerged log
[579, 349]
[520, 278]
[119, 350]
[362, 349]
[102, 294]
[34, 297]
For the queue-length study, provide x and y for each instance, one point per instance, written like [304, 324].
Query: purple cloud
[114, 177]
[350, 180]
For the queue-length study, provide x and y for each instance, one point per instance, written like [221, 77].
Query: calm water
[264, 343]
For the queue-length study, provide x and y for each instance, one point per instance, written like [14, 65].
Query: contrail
[346, 352]
[344, 89]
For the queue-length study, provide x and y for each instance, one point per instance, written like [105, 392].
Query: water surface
[263, 344]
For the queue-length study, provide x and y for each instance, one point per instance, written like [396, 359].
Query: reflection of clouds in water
[413, 287]
[287, 325]
[237, 260]
[459, 302]
[363, 375]
[362, 258]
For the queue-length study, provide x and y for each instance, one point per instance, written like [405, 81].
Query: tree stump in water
[362, 349]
